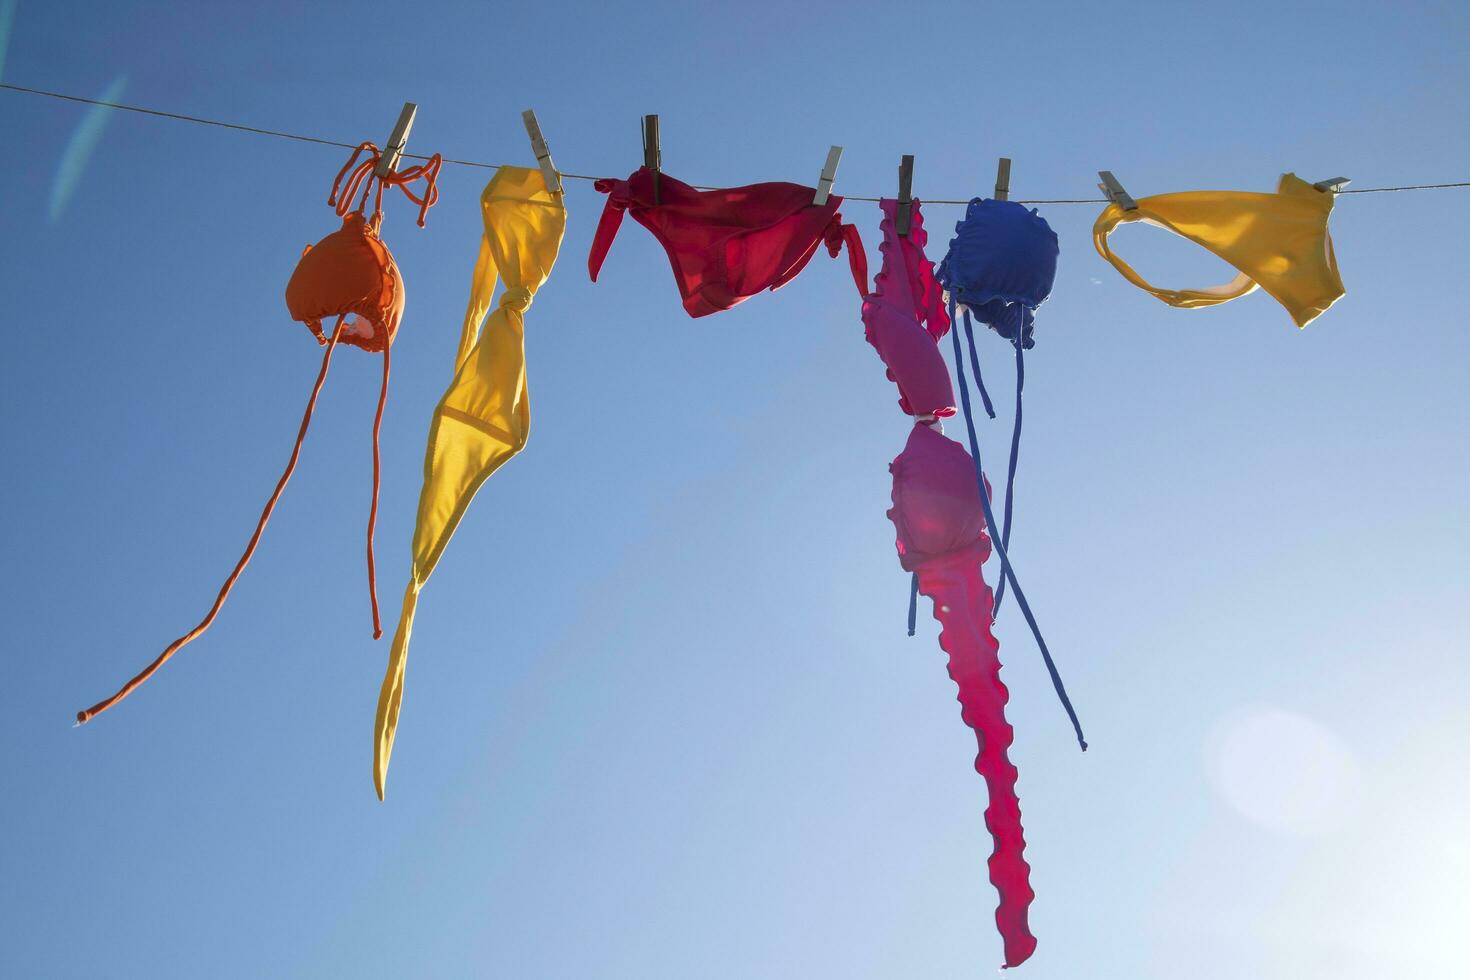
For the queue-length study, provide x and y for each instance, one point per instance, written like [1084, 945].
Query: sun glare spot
[1284, 772]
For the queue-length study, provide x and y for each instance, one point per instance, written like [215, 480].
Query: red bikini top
[727, 245]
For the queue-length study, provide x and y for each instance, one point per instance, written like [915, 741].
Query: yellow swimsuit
[485, 416]
[1278, 242]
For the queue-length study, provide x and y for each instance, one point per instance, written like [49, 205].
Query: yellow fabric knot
[518, 299]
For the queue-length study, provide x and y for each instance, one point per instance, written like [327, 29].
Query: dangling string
[363, 172]
[985, 396]
[1005, 534]
[913, 602]
[84, 716]
[366, 189]
[974, 359]
[1005, 562]
[364, 177]
[377, 475]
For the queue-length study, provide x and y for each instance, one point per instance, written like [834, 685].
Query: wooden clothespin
[905, 195]
[652, 156]
[542, 151]
[1003, 179]
[393, 150]
[1333, 184]
[829, 174]
[1115, 192]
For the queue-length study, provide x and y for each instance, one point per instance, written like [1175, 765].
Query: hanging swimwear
[348, 273]
[484, 417]
[727, 245]
[940, 523]
[1000, 267]
[904, 319]
[1278, 242]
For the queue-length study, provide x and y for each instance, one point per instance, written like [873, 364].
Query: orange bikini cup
[349, 271]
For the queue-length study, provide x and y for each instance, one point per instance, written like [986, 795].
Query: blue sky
[662, 719]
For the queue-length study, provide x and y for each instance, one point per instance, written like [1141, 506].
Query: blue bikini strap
[974, 360]
[913, 602]
[1005, 533]
[999, 545]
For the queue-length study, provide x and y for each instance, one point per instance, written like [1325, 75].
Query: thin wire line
[1406, 187]
[175, 115]
[495, 166]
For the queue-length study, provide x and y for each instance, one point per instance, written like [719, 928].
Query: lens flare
[80, 147]
[1284, 772]
[7, 20]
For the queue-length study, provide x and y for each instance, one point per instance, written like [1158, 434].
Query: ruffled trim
[925, 292]
[998, 311]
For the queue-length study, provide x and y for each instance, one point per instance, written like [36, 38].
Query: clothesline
[570, 176]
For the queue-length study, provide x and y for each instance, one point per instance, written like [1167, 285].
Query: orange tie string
[377, 475]
[84, 716]
[363, 177]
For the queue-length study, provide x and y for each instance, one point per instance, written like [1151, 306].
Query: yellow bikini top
[1278, 242]
[484, 417]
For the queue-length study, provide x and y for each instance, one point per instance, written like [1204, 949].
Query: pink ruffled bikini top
[904, 319]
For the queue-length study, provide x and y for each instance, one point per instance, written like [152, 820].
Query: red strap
[836, 235]
[607, 227]
[857, 257]
[84, 716]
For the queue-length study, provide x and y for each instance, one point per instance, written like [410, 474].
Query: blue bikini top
[1000, 266]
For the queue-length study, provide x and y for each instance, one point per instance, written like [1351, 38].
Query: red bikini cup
[727, 245]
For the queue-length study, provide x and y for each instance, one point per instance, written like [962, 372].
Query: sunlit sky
[662, 719]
